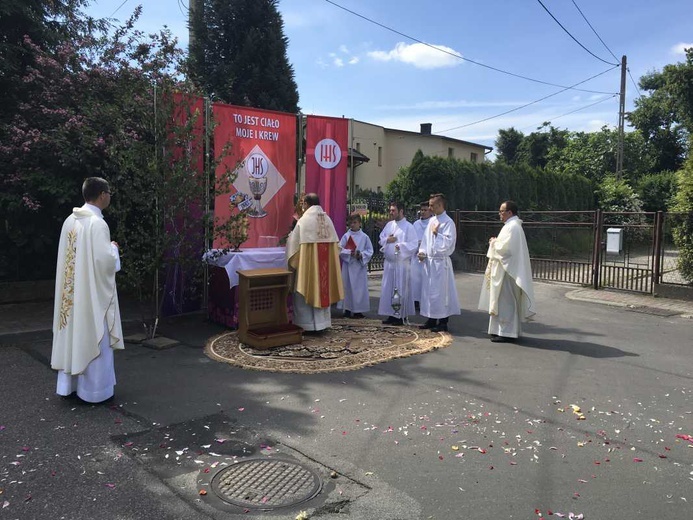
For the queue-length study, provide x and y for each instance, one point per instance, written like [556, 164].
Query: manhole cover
[655, 311]
[266, 484]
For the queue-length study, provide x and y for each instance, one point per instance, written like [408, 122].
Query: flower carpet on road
[347, 345]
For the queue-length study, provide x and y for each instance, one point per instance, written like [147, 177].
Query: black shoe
[441, 327]
[347, 314]
[388, 321]
[502, 339]
[429, 324]
[358, 316]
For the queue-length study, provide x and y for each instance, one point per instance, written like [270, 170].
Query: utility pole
[621, 119]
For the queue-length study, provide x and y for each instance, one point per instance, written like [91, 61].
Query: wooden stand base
[263, 338]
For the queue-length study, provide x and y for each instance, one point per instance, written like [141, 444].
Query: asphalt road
[589, 414]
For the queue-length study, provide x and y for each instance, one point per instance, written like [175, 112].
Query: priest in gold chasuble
[312, 251]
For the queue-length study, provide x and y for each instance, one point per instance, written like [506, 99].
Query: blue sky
[347, 66]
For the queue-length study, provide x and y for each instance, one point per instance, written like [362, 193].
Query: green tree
[665, 115]
[425, 175]
[593, 155]
[615, 194]
[508, 145]
[238, 54]
[683, 231]
[656, 190]
[46, 24]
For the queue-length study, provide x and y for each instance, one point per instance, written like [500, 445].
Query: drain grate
[266, 484]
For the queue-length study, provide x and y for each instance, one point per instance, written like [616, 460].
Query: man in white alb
[86, 317]
[417, 267]
[438, 292]
[398, 242]
[507, 293]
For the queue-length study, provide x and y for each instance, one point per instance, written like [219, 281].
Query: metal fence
[667, 262]
[628, 251]
[615, 250]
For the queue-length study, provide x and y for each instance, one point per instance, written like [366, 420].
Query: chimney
[426, 128]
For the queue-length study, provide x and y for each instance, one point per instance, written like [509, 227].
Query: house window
[451, 152]
[380, 155]
[473, 157]
[358, 147]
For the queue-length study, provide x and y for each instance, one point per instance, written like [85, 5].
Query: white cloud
[420, 55]
[680, 48]
[354, 60]
[343, 49]
[338, 62]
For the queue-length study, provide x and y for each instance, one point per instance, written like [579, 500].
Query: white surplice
[355, 271]
[416, 274]
[86, 317]
[397, 267]
[438, 291]
[507, 293]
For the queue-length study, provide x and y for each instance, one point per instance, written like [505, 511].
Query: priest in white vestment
[312, 251]
[507, 293]
[86, 317]
[398, 242]
[416, 274]
[356, 251]
[438, 292]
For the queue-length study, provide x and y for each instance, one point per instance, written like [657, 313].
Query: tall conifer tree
[238, 54]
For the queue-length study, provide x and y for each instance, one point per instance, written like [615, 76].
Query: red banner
[327, 141]
[263, 158]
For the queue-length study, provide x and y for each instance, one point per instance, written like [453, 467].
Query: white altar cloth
[255, 258]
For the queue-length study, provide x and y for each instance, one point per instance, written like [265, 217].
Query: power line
[531, 103]
[593, 30]
[118, 8]
[551, 119]
[634, 83]
[573, 37]
[181, 6]
[457, 55]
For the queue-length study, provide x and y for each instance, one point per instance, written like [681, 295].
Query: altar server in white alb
[398, 242]
[86, 317]
[420, 225]
[356, 251]
[508, 293]
[438, 292]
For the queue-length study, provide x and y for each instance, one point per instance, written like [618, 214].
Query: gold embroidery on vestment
[323, 228]
[67, 299]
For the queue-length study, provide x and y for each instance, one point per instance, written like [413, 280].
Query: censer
[396, 302]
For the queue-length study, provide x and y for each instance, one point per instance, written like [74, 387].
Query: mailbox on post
[614, 240]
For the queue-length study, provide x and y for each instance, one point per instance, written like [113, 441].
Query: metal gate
[574, 246]
[626, 256]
